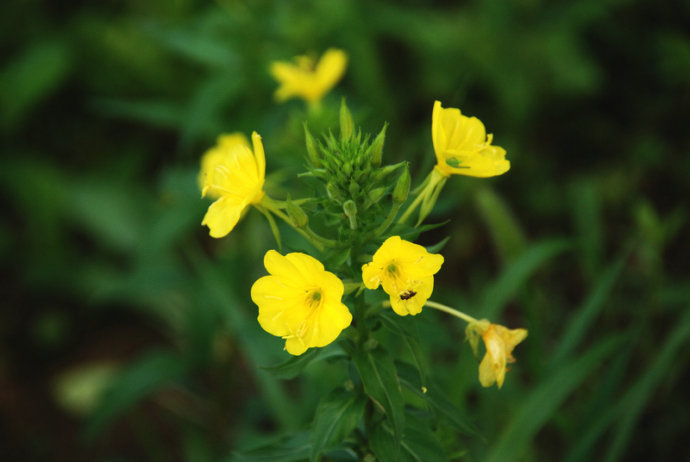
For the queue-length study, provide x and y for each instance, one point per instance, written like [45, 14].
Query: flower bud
[296, 214]
[347, 126]
[334, 193]
[402, 187]
[376, 194]
[350, 209]
[376, 150]
[353, 189]
[312, 150]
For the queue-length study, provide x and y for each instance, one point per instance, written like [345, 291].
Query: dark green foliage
[105, 110]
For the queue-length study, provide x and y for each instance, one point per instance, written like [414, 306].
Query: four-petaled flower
[499, 342]
[406, 271]
[462, 146]
[307, 79]
[235, 176]
[300, 301]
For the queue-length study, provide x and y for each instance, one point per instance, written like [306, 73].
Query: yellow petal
[330, 68]
[223, 215]
[260, 157]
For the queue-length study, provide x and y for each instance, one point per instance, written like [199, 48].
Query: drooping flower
[236, 180]
[300, 301]
[307, 79]
[219, 154]
[406, 272]
[462, 146]
[499, 342]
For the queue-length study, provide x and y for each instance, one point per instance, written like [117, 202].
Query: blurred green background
[126, 333]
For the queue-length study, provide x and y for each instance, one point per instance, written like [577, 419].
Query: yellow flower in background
[462, 146]
[406, 271]
[300, 301]
[500, 342]
[236, 178]
[219, 154]
[307, 79]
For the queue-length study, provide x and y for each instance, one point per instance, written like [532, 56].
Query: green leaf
[293, 366]
[380, 379]
[392, 323]
[139, 380]
[438, 246]
[421, 443]
[583, 318]
[516, 273]
[32, 77]
[384, 444]
[539, 405]
[504, 229]
[291, 448]
[336, 417]
[636, 398]
[436, 399]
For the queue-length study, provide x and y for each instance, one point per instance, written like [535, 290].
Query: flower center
[314, 299]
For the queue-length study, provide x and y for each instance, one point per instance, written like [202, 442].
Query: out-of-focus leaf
[540, 404]
[586, 209]
[583, 318]
[504, 229]
[31, 77]
[516, 273]
[140, 379]
[636, 398]
[294, 365]
[380, 379]
[336, 417]
[291, 448]
[164, 114]
[79, 389]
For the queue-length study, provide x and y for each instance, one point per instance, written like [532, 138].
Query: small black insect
[408, 294]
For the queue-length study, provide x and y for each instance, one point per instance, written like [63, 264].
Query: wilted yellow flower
[219, 154]
[500, 342]
[307, 79]
[237, 180]
[462, 145]
[300, 301]
[406, 271]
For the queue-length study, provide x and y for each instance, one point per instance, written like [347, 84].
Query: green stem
[389, 219]
[412, 206]
[317, 241]
[449, 310]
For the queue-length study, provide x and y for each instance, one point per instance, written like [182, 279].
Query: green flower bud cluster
[358, 194]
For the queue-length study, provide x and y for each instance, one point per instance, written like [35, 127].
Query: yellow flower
[219, 154]
[500, 342]
[406, 271]
[307, 79]
[237, 180]
[300, 301]
[462, 145]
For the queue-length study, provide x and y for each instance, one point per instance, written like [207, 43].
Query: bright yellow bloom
[237, 180]
[307, 79]
[500, 342]
[300, 301]
[462, 145]
[219, 154]
[406, 271]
